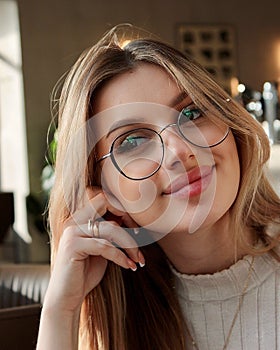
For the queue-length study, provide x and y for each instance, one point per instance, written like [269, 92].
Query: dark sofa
[22, 290]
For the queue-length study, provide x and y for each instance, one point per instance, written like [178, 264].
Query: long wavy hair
[140, 310]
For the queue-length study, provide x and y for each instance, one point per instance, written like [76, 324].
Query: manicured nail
[132, 265]
[141, 259]
[136, 230]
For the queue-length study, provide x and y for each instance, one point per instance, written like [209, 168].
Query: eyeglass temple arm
[103, 157]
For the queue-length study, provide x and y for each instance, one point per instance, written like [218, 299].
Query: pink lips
[191, 183]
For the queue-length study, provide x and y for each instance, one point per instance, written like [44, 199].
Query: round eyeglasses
[138, 154]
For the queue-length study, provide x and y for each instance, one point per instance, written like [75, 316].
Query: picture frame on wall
[213, 46]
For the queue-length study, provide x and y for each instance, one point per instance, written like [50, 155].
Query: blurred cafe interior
[238, 42]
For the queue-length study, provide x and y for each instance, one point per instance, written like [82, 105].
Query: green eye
[132, 142]
[191, 114]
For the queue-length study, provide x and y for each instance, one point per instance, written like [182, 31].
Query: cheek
[233, 163]
[235, 173]
[136, 197]
[229, 174]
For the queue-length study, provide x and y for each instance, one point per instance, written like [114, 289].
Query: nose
[178, 152]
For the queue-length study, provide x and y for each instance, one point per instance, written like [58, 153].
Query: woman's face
[194, 187]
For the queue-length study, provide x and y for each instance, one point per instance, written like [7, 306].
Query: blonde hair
[152, 319]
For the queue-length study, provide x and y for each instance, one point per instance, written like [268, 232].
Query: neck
[208, 250]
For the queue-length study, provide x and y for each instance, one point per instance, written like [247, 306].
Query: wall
[54, 32]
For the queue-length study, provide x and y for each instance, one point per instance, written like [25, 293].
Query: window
[13, 148]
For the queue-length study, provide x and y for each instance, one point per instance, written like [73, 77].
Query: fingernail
[141, 259]
[132, 265]
[136, 230]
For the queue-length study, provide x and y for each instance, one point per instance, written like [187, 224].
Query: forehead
[144, 83]
[144, 94]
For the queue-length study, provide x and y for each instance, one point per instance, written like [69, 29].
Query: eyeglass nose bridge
[179, 133]
[167, 126]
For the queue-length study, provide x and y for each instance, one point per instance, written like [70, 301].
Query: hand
[81, 260]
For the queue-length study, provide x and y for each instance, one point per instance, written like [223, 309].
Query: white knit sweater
[209, 303]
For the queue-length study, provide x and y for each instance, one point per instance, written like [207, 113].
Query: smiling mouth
[191, 183]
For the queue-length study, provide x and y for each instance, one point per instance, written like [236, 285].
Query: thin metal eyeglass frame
[111, 155]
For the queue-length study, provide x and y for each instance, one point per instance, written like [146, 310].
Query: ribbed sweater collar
[225, 284]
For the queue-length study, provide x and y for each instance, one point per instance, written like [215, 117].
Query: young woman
[164, 226]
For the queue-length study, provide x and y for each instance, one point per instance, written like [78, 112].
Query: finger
[113, 233]
[95, 205]
[94, 208]
[85, 247]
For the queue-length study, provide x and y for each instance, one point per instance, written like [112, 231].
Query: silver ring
[93, 228]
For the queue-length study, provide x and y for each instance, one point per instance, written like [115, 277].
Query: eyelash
[192, 109]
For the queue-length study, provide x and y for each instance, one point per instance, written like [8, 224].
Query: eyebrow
[124, 122]
[178, 99]
[128, 122]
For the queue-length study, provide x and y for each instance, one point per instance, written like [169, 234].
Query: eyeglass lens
[139, 153]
